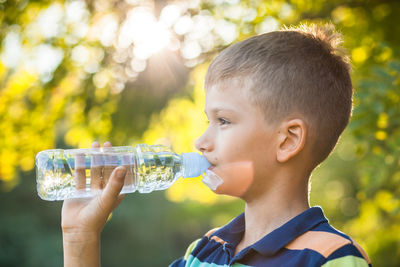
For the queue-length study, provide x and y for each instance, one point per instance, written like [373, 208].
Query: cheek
[251, 146]
[244, 158]
[259, 149]
[233, 150]
[245, 144]
[227, 147]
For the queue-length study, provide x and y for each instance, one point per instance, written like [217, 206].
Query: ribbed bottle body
[78, 173]
[157, 167]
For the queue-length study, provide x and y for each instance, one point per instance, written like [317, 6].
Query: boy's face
[238, 142]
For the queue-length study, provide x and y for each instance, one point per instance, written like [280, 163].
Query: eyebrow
[217, 110]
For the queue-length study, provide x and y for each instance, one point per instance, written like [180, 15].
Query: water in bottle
[78, 173]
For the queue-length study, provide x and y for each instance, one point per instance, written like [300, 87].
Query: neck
[271, 210]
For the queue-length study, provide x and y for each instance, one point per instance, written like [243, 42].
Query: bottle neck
[194, 165]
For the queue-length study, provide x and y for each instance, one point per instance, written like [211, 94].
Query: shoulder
[189, 258]
[348, 255]
[182, 262]
[336, 248]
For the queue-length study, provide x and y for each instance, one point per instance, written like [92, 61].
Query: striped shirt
[306, 240]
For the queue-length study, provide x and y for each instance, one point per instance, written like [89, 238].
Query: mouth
[213, 165]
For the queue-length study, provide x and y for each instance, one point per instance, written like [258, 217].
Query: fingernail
[121, 171]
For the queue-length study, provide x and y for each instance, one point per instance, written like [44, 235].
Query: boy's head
[296, 70]
[297, 73]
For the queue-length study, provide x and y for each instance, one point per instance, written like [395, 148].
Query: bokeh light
[132, 71]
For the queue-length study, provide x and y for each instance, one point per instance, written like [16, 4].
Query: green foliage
[100, 89]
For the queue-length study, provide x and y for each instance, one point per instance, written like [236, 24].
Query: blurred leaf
[73, 71]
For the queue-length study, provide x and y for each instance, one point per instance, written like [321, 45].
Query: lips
[212, 164]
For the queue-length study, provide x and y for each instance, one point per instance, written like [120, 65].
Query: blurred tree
[358, 185]
[75, 71]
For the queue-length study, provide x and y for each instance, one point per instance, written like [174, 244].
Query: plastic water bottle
[79, 173]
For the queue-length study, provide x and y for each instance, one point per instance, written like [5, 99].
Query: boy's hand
[83, 219]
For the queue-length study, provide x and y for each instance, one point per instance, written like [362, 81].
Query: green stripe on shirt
[190, 249]
[347, 261]
[195, 262]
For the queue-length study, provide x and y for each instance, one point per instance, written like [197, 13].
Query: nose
[204, 144]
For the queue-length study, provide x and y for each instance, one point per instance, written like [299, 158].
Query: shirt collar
[277, 239]
[280, 237]
[232, 232]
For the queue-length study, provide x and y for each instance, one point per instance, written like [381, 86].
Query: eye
[223, 121]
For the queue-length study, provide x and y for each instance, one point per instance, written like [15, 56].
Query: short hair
[295, 70]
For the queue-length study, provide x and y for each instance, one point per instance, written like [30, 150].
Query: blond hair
[298, 70]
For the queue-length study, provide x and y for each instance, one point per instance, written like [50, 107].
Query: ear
[291, 139]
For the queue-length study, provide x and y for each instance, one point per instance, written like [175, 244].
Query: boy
[278, 101]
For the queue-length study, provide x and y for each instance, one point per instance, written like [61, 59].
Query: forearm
[81, 250]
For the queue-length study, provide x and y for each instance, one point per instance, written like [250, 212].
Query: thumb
[113, 188]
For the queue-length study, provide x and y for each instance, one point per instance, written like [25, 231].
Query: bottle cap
[194, 165]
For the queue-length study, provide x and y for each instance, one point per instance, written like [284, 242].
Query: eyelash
[223, 121]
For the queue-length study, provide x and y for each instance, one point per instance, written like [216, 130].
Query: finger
[118, 201]
[96, 168]
[110, 162]
[80, 171]
[108, 169]
[110, 195]
[95, 144]
[127, 161]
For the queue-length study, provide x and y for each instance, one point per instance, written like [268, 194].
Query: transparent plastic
[212, 180]
[80, 173]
